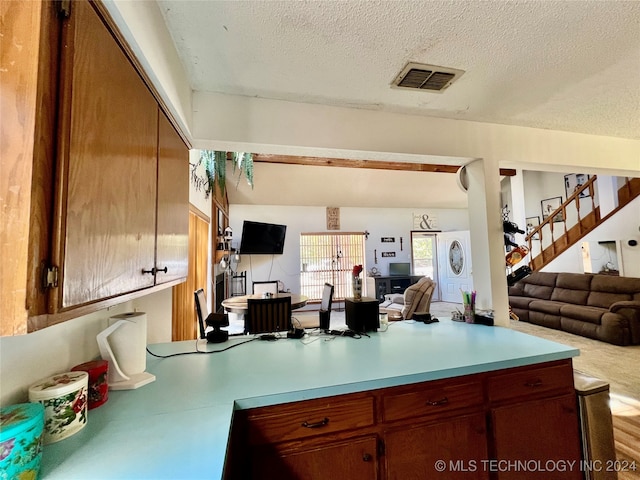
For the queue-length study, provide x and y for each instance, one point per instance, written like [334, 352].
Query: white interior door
[454, 262]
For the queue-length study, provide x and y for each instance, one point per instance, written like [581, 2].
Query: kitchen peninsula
[367, 392]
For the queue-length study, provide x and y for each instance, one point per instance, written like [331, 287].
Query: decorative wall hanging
[573, 182]
[532, 223]
[425, 221]
[333, 218]
[549, 205]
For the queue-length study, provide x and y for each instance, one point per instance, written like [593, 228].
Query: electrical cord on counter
[201, 351]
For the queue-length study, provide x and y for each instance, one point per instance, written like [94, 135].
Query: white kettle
[123, 345]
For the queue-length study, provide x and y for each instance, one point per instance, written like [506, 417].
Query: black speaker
[324, 320]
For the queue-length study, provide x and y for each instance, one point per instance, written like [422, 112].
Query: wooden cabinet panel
[447, 450]
[109, 152]
[18, 84]
[183, 319]
[443, 429]
[352, 460]
[172, 238]
[432, 399]
[531, 382]
[311, 420]
[542, 432]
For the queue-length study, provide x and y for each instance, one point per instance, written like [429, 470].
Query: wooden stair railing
[545, 244]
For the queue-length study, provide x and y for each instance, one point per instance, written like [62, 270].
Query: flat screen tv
[262, 238]
[399, 269]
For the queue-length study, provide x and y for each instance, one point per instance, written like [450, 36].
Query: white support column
[487, 245]
[518, 214]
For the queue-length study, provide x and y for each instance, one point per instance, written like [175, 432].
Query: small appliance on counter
[123, 345]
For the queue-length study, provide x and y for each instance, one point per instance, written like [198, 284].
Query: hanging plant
[243, 161]
[215, 169]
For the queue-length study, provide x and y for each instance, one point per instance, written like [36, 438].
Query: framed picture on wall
[573, 182]
[533, 222]
[549, 205]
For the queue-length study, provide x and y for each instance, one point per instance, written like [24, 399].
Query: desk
[239, 304]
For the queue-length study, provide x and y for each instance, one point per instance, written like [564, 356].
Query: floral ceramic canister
[64, 397]
[21, 428]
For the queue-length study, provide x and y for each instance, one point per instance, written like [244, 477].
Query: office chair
[325, 306]
[266, 315]
[212, 320]
[270, 286]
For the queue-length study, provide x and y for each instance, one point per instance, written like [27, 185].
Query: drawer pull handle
[319, 424]
[367, 457]
[435, 403]
[533, 383]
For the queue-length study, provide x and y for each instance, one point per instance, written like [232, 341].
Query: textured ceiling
[561, 65]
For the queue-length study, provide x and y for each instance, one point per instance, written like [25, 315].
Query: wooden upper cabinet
[98, 183]
[172, 249]
[108, 157]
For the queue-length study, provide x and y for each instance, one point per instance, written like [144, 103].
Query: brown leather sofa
[602, 307]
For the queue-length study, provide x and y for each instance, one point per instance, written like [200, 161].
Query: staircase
[575, 218]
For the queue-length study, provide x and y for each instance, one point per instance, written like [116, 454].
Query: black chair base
[217, 336]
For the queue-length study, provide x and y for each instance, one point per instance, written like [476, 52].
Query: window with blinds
[329, 258]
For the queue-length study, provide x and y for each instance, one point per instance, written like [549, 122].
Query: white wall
[25, 359]
[624, 226]
[273, 126]
[379, 222]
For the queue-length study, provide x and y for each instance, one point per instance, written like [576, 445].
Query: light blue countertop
[178, 426]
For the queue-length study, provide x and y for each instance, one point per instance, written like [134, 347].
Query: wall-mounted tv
[262, 238]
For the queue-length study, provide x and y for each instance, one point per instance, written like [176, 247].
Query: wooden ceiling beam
[372, 164]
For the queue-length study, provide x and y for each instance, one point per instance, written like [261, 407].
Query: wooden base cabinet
[522, 432]
[473, 427]
[452, 449]
[354, 459]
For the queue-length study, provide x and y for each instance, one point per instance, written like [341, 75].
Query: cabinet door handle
[155, 270]
[367, 457]
[533, 383]
[319, 424]
[435, 403]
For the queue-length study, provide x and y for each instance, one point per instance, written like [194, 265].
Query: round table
[239, 304]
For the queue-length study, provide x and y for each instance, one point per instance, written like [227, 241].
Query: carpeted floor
[620, 366]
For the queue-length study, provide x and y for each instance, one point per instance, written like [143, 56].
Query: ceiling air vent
[417, 76]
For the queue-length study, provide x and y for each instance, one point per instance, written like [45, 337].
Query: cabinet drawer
[532, 382]
[432, 400]
[315, 419]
